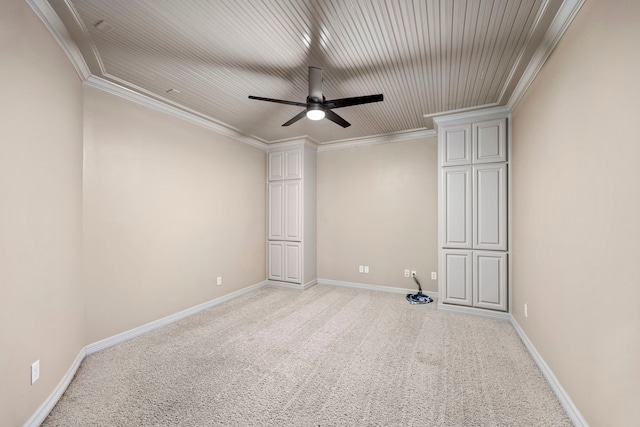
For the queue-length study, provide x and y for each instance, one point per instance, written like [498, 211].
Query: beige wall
[377, 206]
[41, 307]
[576, 212]
[168, 207]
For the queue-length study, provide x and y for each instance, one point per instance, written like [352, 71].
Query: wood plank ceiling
[426, 56]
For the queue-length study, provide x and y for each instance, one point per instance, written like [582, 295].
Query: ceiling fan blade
[315, 84]
[279, 101]
[296, 118]
[336, 118]
[347, 102]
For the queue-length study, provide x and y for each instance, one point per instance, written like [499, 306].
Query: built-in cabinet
[473, 217]
[291, 213]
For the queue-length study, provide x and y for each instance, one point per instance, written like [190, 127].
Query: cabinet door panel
[457, 205]
[457, 279]
[293, 164]
[276, 260]
[292, 264]
[456, 145]
[276, 214]
[489, 141]
[490, 280]
[490, 206]
[276, 165]
[293, 210]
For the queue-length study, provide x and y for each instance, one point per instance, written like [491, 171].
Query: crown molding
[56, 27]
[486, 114]
[147, 101]
[563, 18]
[48, 16]
[378, 139]
[305, 141]
[462, 110]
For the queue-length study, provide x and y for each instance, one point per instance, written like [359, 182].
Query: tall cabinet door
[276, 213]
[293, 210]
[292, 262]
[457, 276]
[490, 280]
[490, 206]
[276, 260]
[457, 206]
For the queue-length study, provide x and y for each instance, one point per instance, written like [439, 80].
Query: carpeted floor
[328, 356]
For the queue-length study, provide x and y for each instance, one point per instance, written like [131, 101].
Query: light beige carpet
[328, 356]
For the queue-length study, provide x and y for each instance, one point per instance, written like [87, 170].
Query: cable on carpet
[418, 298]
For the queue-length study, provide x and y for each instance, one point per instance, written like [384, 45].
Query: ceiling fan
[317, 107]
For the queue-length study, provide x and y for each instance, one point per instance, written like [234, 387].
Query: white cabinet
[457, 206]
[286, 164]
[457, 276]
[474, 207]
[490, 279]
[489, 141]
[284, 261]
[456, 149]
[490, 206]
[292, 262]
[275, 259]
[285, 208]
[291, 213]
[275, 200]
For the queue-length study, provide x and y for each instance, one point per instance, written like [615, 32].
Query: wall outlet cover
[35, 371]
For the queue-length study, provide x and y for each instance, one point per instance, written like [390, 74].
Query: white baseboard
[43, 410]
[570, 408]
[369, 287]
[41, 413]
[481, 312]
[286, 285]
[140, 330]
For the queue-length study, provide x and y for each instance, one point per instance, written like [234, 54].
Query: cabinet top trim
[470, 116]
[294, 143]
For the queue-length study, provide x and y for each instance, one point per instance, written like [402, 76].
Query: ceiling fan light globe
[315, 114]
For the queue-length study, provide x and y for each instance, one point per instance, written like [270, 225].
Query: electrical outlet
[407, 273]
[526, 310]
[219, 280]
[413, 273]
[361, 269]
[366, 269]
[434, 275]
[35, 371]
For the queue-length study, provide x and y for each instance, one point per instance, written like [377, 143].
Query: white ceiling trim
[532, 31]
[379, 139]
[486, 114]
[50, 19]
[563, 18]
[462, 110]
[305, 140]
[165, 107]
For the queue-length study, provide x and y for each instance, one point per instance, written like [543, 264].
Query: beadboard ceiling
[427, 57]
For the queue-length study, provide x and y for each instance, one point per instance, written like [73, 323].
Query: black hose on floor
[418, 298]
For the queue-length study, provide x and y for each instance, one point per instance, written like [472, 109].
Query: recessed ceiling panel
[425, 56]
